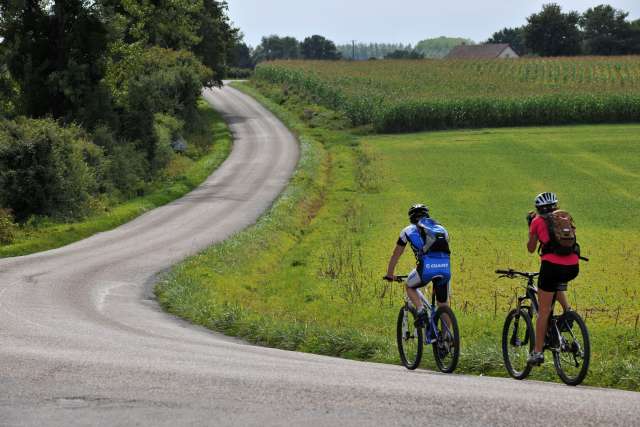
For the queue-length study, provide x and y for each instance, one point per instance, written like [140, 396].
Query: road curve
[82, 342]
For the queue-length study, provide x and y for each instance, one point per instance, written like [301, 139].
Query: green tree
[633, 41]
[513, 36]
[606, 31]
[56, 54]
[171, 24]
[129, 71]
[218, 39]
[404, 54]
[240, 55]
[318, 47]
[8, 88]
[201, 26]
[439, 47]
[26, 57]
[275, 47]
[363, 51]
[552, 32]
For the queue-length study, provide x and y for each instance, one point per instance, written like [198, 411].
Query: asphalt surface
[82, 342]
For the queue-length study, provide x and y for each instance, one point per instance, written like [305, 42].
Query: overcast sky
[406, 21]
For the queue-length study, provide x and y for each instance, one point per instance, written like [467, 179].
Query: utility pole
[353, 54]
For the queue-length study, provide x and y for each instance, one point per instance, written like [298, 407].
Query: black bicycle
[567, 336]
[441, 331]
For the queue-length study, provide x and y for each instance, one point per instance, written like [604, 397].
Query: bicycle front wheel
[446, 348]
[518, 340]
[571, 360]
[409, 337]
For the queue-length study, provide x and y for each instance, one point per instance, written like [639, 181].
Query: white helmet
[546, 199]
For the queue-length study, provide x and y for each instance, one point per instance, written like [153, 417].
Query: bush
[148, 82]
[7, 227]
[166, 128]
[151, 87]
[43, 169]
[123, 172]
[239, 73]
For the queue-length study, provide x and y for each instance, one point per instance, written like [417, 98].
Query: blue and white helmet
[546, 199]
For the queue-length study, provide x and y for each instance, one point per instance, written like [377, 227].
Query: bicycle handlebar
[395, 278]
[511, 273]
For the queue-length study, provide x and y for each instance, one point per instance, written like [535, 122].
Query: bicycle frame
[531, 293]
[430, 306]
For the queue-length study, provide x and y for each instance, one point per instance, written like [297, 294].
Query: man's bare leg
[414, 297]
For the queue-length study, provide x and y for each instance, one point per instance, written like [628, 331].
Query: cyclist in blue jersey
[430, 243]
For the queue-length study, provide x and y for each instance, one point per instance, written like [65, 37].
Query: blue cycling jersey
[429, 241]
[427, 236]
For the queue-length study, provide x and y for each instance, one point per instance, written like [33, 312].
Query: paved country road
[82, 342]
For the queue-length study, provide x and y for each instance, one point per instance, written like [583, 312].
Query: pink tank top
[539, 228]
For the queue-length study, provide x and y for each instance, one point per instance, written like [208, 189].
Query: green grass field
[316, 284]
[212, 139]
[404, 96]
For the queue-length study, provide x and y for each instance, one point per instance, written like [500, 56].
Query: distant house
[482, 51]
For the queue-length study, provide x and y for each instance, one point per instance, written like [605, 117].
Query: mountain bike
[441, 331]
[567, 336]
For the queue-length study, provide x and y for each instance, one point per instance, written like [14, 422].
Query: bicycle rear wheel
[410, 341]
[572, 359]
[518, 340]
[446, 349]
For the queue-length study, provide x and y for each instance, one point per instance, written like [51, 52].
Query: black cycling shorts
[554, 277]
[442, 290]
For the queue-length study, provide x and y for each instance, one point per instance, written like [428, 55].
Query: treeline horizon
[600, 31]
[318, 47]
[436, 47]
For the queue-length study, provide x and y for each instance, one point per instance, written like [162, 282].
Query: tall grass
[404, 96]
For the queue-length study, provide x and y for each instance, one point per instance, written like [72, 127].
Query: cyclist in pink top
[555, 269]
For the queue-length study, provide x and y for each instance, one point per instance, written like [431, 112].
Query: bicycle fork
[407, 326]
[515, 340]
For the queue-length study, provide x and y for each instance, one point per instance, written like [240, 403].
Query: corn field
[404, 96]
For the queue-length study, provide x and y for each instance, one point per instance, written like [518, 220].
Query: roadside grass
[209, 146]
[313, 280]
